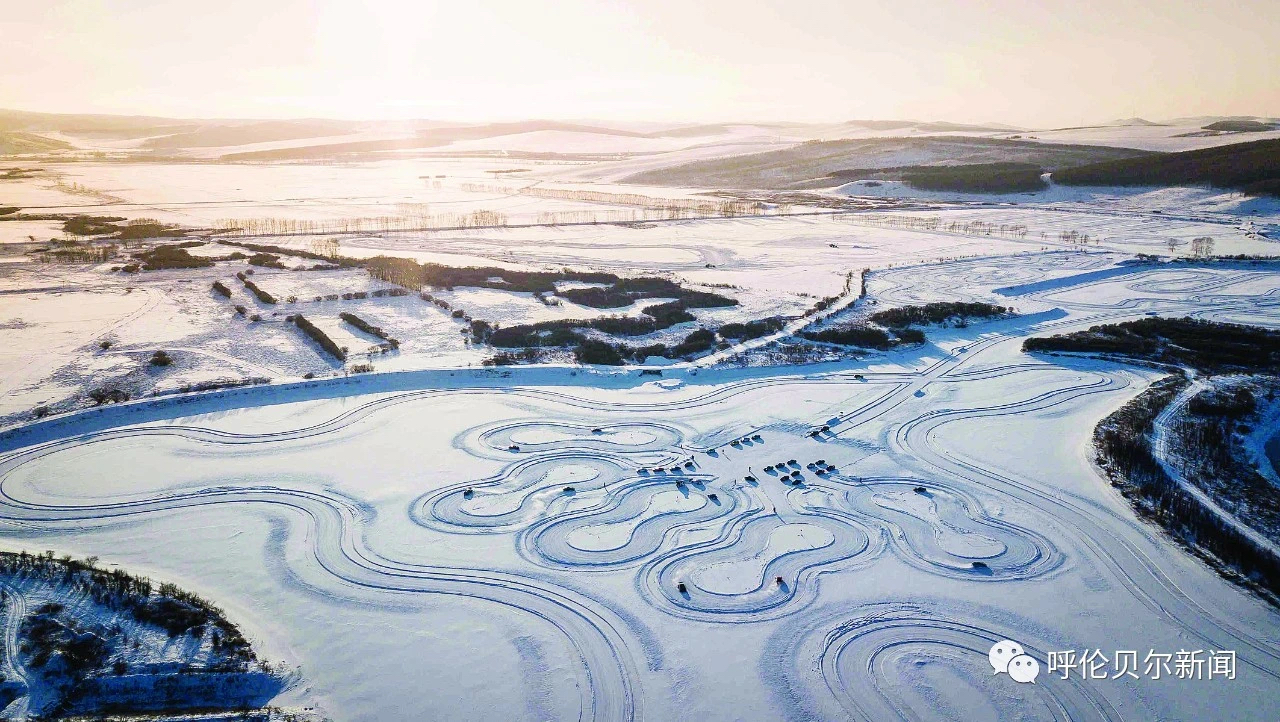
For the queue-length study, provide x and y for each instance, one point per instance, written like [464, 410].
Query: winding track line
[1160, 448]
[859, 656]
[916, 445]
[15, 606]
[340, 548]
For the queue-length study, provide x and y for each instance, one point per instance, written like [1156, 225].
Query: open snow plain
[561, 543]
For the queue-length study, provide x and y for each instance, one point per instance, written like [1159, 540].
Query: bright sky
[1034, 63]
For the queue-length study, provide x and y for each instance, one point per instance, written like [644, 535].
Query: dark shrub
[266, 260]
[320, 337]
[108, 396]
[261, 294]
[91, 225]
[697, 342]
[751, 329]
[171, 256]
[861, 336]
[369, 328]
[909, 335]
[591, 351]
[480, 330]
[935, 313]
[173, 616]
[657, 349]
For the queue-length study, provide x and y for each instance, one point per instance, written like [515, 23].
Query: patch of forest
[812, 164]
[974, 178]
[1207, 346]
[613, 292]
[626, 291]
[100, 641]
[519, 342]
[1239, 126]
[1253, 168]
[859, 335]
[113, 227]
[959, 312]
[1122, 442]
[411, 274]
[171, 256]
[891, 328]
[521, 345]
[1210, 452]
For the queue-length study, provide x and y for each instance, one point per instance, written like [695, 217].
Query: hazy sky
[1025, 62]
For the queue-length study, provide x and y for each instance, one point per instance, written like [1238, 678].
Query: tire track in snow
[339, 546]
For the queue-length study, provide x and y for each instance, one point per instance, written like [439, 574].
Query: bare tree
[1202, 247]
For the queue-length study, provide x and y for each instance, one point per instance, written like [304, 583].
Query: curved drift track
[632, 522]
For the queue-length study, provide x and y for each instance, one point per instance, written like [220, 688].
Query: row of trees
[911, 223]
[968, 228]
[320, 337]
[411, 274]
[480, 218]
[370, 329]
[255, 290]
[937, 312]
[78, 253]
[667, 208]
[557, 218]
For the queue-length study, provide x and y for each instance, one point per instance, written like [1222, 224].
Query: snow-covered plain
[500, 545]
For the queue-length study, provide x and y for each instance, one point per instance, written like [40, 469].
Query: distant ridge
[1203, 120]
[939, 126]
[14, 143]
[1135, 122]
[826, 164]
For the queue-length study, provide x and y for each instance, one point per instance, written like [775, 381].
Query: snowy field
[513, 545]
[54, 317]
[371, 195]
[440, 540]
